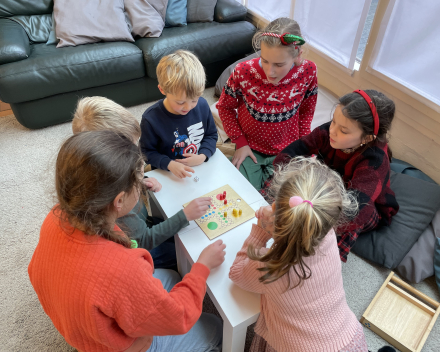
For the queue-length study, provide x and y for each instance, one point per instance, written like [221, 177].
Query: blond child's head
[309, 200]
[99, 113]
[277, 55]
[182, 80]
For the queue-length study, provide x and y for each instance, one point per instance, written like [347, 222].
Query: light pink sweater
[311, 317]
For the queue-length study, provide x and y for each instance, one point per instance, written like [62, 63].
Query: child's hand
[266, 218]
[196, 208]
[180, 170]
[241, 154]
[192, 159]
[152, 184]
[213, 255]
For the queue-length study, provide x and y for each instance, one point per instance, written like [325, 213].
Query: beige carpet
[26, 195]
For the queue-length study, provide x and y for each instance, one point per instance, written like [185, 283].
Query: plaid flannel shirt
[366, 171]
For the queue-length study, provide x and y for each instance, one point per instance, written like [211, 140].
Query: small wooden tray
[401, 315]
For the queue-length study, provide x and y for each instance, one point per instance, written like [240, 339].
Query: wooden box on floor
[401, 315]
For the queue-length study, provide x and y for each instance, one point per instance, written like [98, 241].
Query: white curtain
[270, 9]
[334, 27]
[408, 49]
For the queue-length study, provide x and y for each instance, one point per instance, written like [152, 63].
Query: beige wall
[415, 134]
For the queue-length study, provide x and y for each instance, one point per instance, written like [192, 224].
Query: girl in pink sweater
[303, 305]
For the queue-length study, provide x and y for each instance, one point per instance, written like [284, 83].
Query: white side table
[238, 308]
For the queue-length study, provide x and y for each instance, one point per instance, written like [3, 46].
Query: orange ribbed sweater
[102, 296]
[311, 317]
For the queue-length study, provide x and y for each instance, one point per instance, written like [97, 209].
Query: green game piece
[212, 225]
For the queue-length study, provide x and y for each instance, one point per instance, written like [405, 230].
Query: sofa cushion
[52, 34]
[25, 7]
[49, 71]
[229, 11]
[147, 17]
[176, 13]
[14, 43]
[211, 42]
[90, 21]
[200, 10]
[418, 202]
[221, 82]
[37, 27]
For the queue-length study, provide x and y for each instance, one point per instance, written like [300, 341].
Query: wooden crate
[401, 315]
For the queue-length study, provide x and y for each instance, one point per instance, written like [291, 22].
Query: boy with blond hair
[155, 235]
[179, 131]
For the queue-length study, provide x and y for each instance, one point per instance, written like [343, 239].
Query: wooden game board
[214, 223]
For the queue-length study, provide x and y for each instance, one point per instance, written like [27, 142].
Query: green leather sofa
[42, 83]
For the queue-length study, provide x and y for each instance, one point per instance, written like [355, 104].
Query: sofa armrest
[229, 11]
[14, 42]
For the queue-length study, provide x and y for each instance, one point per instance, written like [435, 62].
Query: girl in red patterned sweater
[354, 144]
[274, 96]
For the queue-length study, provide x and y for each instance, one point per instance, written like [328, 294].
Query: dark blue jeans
[164, 255]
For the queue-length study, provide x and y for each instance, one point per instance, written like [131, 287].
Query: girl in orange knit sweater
[101, 294]
[303, 305]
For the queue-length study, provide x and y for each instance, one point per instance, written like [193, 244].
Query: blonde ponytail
[298, 230]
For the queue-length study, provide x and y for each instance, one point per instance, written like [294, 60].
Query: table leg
[183, 266]
[234, 338]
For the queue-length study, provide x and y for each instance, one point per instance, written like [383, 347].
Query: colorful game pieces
[237, 212]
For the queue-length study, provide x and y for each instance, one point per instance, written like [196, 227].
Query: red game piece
[226, 202]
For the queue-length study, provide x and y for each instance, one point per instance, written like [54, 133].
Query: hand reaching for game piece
[192, 159]
[266, 218]
[196, 208]
[152, 184]
[180, 170]
[213, 255]
[241, 154]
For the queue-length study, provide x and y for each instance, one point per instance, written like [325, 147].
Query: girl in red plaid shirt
[269, 102]
[354, 144]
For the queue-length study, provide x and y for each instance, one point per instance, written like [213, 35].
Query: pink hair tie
[296, 200]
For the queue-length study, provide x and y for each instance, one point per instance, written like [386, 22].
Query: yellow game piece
[234, 212]
[225, 214]
[240, 212]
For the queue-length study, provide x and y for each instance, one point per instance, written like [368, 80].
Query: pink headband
[296, 200]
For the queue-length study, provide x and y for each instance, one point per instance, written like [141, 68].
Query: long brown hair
[299, 230]
[92, 168]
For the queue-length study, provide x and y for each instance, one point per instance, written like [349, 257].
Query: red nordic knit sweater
[270, 117]
[102, 296]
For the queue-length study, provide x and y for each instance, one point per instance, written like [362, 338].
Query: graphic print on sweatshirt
[184, 144]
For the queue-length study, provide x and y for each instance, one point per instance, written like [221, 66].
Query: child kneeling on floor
[303, 305]
[354, 143]
[153, 234]
[101, 294]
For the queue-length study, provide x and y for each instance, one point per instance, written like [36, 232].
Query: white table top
[235, 304]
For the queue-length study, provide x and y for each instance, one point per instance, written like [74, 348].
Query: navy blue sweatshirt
[166, 136]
